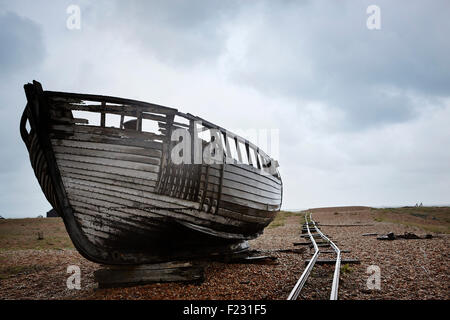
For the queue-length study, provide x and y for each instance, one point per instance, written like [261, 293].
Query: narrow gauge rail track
[304, 277]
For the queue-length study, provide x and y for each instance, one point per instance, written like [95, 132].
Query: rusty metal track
[304, 277]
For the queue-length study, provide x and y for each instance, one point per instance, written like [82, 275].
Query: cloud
[362, 114]
[21, 42]
[176, 32]
[323, 51]
[22, 52]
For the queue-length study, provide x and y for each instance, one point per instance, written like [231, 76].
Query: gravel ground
[410, 269]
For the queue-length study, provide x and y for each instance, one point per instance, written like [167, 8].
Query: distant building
[1, 217]
[52, 214]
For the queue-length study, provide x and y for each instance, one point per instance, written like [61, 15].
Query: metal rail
[299, 285]
[335, 285]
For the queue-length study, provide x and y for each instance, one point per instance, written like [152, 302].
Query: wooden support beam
[301, 243]
[321, 245]
[132, 275]
[122, 118]
[315, 235]
[347, 225]
[332, 251]
[238, 150]
[139, 122]
[103, 116]
[331, 261]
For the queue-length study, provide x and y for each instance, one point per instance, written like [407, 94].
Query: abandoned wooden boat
[123, 196]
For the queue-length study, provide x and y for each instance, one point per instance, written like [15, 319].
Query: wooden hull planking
[122, 198]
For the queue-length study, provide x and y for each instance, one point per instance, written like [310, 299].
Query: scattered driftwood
[369, 234]
[123, 276]
[406, 235]
[388, 236]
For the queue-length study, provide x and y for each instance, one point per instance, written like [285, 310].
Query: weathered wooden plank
[107, 155]
[115, 225]
[253, 194]
[118, 183]
[237, 174]
[248, 171]
[93, 224]
[131, 201]
[243, 217]
[149, 152]
[87, 229]
[108, 162]
[243, 195]
[211, 227]
[158, 200]
[97, 241]
[105, 207]
[250, 204]
[114, 170]
[68, 121]
[108, 140]
[248, 180]
[257, 188]
[115, 105]
[143, 274]
[271, 212]
[247, 192]
[109, 178]
[155, 117]
[107, 132]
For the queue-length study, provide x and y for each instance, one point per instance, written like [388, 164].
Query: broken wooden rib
[122, 197]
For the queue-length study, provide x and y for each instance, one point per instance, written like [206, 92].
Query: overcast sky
[363, 115]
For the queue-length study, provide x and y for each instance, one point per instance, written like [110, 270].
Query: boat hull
[122, 199]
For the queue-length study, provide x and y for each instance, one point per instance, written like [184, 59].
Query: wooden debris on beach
[406, 235]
